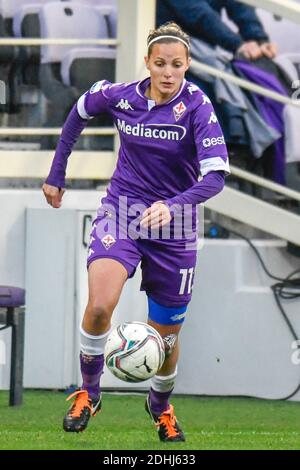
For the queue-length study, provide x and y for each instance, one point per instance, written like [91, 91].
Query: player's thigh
[111, 260]
[106, 278]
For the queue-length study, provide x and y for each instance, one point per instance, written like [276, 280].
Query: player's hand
[269, 49]
[250, 50]
[53, 195]
[156, 216]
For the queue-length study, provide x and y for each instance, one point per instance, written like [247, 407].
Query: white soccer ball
[134, 352]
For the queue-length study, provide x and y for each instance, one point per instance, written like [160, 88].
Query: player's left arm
[159, 213]
[213, 166]
[212, 155]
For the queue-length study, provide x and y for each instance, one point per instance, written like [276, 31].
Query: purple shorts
[168, 265]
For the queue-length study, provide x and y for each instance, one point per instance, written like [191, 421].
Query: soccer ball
[134, 352]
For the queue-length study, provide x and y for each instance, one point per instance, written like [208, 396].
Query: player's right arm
[53, 195]
[93, 102]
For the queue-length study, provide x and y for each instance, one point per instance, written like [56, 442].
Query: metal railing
[264, 183]
[31, 131]
[201, 67]
[34, 131]
[59, 41]
[257, 213]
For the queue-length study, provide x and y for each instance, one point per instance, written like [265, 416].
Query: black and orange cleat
[78, 415]
[167, 425]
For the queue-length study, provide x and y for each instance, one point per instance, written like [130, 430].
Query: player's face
[167, 65]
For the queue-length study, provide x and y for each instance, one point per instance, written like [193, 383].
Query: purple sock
[91, 371]
[159, 401]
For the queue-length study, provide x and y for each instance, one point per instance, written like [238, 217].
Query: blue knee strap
[166, 315]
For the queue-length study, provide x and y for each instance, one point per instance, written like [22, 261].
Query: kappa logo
[123, 104]
[206, 100]
[108, 241]
[192, 88]
[90, 253]
[179, 109]
[213, 118]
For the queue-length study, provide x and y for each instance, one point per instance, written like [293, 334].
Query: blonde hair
[167, 33]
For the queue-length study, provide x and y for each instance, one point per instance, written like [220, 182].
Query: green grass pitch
[208, 423]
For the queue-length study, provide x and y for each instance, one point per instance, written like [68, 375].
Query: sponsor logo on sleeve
[213, 141]
[179, 109]
[97, 87]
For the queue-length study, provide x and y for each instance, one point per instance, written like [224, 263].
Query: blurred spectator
[202, 19]
[254, 141]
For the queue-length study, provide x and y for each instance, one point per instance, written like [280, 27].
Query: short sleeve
[95, 100]
[209, 139]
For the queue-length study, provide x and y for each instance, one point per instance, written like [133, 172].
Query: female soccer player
[169, 135]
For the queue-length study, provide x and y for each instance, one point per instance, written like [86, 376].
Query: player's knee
[100, 312]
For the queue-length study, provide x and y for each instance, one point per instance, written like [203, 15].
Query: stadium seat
[108, 8]
[8, 57]
[290, 63]
[19, 57]
[112, 17]
[7, 11]
[12, 314]
[25, 18]
[11, 8]
[26, 24]
[70, 20]
[81, 67]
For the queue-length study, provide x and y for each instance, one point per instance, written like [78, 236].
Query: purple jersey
[163, 148]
